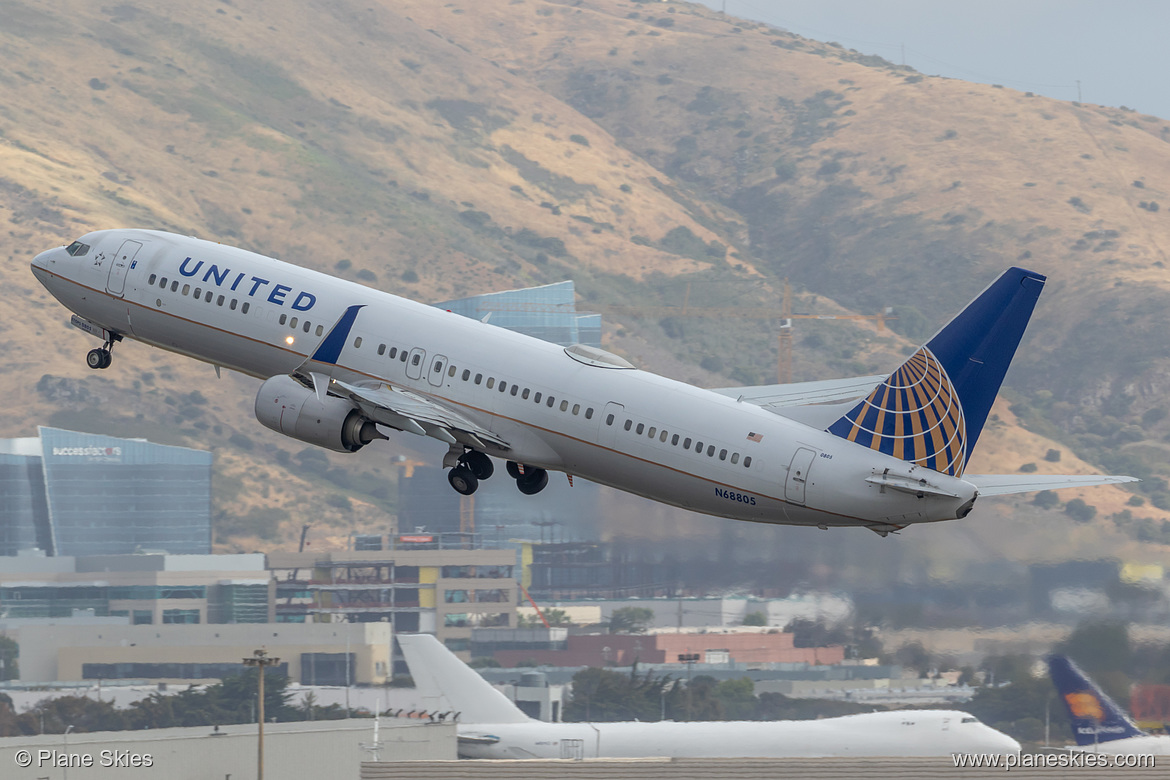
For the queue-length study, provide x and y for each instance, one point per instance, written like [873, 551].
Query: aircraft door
[438, 366]
[611, 418]
[415, 362]
[798, 475]
[123, 261]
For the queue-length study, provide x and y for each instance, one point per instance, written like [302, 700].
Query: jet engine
[286, 406]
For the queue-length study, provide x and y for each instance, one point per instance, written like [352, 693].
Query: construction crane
[784, 315]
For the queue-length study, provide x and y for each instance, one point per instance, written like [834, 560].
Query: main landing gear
[103, 356]
[471, 467]
[530, 481]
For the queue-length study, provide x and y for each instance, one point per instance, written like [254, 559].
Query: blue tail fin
[1095, 717]
[932, 409]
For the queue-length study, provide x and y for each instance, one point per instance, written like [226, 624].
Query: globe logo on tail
[915, 416]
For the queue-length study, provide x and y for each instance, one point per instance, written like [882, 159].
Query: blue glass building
[70, 493]
[548, 312]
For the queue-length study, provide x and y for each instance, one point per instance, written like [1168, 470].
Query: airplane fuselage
[907, 733]
[630, 429]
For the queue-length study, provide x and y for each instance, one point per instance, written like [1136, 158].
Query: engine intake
[286, 406]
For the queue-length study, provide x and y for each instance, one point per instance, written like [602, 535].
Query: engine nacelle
[286, 406]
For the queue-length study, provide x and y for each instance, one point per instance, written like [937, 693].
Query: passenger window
[652, 432]
[466, 376]
[381, 351]
[589, 413]
[674, 440]
[550, 402]
[687, 443]
[293, 324]
[207, 297]
[417, 359]
[491, 382]
[219, 301]
[358, 342]
[722, 454]
[451, 371]
[244, 308]
[641, 427]
[564, 405]
[734, 458]
[478, 378]
[186, 289]
[662, 437]
[608, 421]
[402, 356]
[747, 462]
[393, 352]
[153, 278]
[576, 408]
[233, 303]
[438, 369]
[699, 446]
[306, 327]
[628, 424]
[536, 398]
[515, 389]
[710, 450]
[198, 293]
[320, 330]
[175, 286]
[524, 395]
[163, 283]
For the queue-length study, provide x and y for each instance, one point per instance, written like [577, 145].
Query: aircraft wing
[773, 397]
[411, 412]
[1003, 484]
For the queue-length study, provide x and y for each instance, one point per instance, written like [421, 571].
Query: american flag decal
[753, 436]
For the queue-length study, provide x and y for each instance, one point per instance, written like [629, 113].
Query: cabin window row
[662, 435]
[198, 293]
[305, 325]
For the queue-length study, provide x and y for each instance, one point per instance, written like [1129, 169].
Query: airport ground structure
[321, 749]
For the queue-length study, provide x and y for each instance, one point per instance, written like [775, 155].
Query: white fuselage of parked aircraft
[343, 363]
[491, 726]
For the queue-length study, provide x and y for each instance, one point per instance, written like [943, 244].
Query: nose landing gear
[103, 356]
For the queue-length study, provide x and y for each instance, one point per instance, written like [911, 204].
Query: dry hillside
[438, 150]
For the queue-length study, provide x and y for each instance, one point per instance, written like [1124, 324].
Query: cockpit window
[77, 249]
[970, 720]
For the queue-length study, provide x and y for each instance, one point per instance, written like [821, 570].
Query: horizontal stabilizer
[800, 393]
[1003, 484]
[446, 683]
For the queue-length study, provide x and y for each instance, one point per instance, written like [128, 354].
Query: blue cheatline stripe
[330, 349]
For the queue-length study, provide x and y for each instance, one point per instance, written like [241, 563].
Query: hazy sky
[1118, 50]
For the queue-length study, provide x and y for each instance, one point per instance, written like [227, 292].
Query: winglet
[932, 409]
[1095, 717]
[330, 348]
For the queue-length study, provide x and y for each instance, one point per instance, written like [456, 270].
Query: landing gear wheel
[481, 465]
[98, 358]
[533, 481]
[514, 470]
[463, 480]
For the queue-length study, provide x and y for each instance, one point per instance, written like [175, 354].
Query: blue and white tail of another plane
[931, 410]
[1097, 722]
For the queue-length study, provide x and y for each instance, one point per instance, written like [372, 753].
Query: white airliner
[490, 726]
[342, 362]
[1098, 724]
